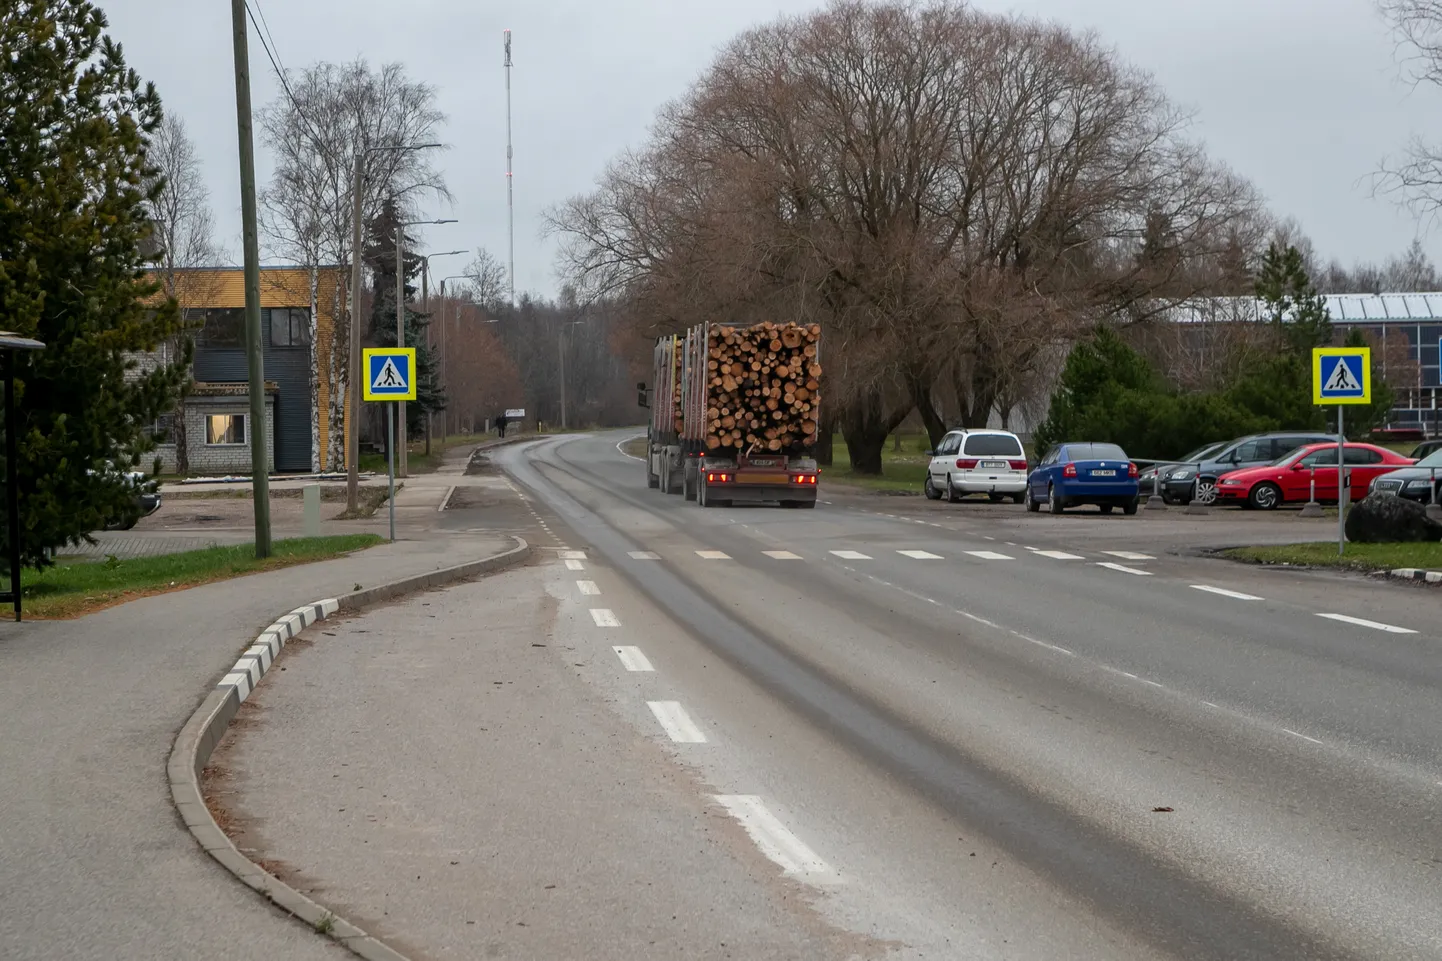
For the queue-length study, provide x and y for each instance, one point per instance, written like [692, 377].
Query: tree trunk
[177, 432]
[866, 424]
[978, 397]
[824, 451]
[920, 390]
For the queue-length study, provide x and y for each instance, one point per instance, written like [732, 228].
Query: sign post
[390, 377]
[1341, 376]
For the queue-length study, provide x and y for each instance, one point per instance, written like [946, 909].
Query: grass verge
[636, 447]
[1358, 557]
[73, 590]
[902, 471]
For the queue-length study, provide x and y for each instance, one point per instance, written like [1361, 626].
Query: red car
[1290, 478]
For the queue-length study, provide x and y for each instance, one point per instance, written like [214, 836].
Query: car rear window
[992, 445]
[1095, 452]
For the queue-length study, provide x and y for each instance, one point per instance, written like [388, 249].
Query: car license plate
[994, 465]
[1104, 473]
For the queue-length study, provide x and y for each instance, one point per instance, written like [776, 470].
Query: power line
[274, 58]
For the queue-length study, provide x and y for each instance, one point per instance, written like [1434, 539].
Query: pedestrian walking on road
[501, 425]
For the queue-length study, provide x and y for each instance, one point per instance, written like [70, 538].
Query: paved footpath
[94, 862]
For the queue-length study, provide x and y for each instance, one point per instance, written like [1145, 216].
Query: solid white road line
[1122, 567]
[782, 555]
[632, 659]
[852, 555]
[990, 556]
[920, 555]
[676, 722]
[1375, 625]
[1301, 735]
[772, 837]
[1057, 555]
[573, 555]
[624, 454]
[713, 555]
[604, 617]
[644, 556]
[588, 588]
[1130, 555]
[574, 565]
[1225, 593]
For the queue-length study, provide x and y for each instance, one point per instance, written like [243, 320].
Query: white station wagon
[990, 462]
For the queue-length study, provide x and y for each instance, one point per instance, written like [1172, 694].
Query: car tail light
[1069, 470]
[1017, 464]
[966, 464]
[1131, 470]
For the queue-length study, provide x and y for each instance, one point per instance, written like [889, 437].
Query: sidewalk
[94, 863]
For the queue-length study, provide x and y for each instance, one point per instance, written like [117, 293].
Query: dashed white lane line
[1301, 735]
[1375, 625]
[920, 555]
[782, 555]
[1130, 555]
[605, 617]
[588, 588]
[1122, 567]
[1057, 555]
[676, 722]
[644, 555]
[574, 565]
[573, 555]
[773, 838]
[633, 659]
[990, 556]
[852, 555]
[1238, 595]
[713, 555]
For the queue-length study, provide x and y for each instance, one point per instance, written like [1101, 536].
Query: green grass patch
[1357, 557]
[72, 590]
[902, 470]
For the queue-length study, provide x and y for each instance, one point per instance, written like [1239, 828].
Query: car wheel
[1032, 504]
[1206, 492]
[1265, 497]
[929, 489]
[953, 496]
[1130, 507]
[1106, 508]
[996, 498]
[1053, 502]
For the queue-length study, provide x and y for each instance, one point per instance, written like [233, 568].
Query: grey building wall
[228, 458]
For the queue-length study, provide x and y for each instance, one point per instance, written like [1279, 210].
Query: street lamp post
[400, 440]
[562, 343]
[426, 309]
[445, 333]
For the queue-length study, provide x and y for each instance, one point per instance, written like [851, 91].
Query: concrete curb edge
[1417, 574]
[205, 728]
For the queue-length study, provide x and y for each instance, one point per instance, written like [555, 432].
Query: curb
[1417, 574]
[207, 726]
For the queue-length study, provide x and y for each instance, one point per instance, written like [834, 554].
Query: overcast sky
[1301, 96]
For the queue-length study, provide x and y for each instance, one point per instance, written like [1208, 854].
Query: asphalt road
[1011, 736]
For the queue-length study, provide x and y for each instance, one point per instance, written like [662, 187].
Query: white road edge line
[1122, 567]
[1301, 735]
[773, 837]
[633, 659]
[1375, 625]
[1238, 595]
[588, 588]
[604, 617]
[624, 454]
[676, 722]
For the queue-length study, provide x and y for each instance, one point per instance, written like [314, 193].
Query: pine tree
[74, 126]
[380, 254]
[1291, 303]
[1361, 418]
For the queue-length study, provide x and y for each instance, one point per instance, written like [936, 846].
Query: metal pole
[12, 480]
[562, 342]
[255, 358]
[426, 309]
[351, 415]
[1341, 486]
[391, 464]
[510, 192]
[400, 430]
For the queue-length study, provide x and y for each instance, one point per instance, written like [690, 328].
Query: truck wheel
[688, 486]
[652, 481]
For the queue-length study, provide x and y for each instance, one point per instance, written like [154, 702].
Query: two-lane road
[1154, 755]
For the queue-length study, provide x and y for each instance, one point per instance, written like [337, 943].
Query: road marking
[1056, 555]
[575, 565]
[1122, 567]
[782, 555]
[1153, 683]
[604, 617]
[773, 837]
[920, 555]
[632, 659]
[1226, 593]
[1375, 625]
[676, 722]
[644, 556]
[1301, 735]
[1130, 555]
[852, 555]
[588, 587]
[990, 556]
[573, 555]
[626, 441]
[713, 555]
[447, 499]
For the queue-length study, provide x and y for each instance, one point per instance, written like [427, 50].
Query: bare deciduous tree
[1415, 177]
[488, 281]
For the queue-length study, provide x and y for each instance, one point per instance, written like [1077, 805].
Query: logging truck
[734, 414]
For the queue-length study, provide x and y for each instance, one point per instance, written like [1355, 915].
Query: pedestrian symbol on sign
[1342, 381]
[389, 377]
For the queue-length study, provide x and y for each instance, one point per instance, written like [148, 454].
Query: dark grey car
[1420, 482]
[1184, 483]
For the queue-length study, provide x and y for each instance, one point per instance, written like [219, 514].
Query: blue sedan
[1073, 474]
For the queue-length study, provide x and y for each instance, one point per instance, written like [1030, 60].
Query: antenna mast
[510, 191]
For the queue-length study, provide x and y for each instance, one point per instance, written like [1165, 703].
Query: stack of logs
[763, 387]
[676, 360]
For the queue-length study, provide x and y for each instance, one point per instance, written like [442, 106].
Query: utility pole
[561, 341]
[399, 439]
[353, 392]
[510, 190]
[255, 357]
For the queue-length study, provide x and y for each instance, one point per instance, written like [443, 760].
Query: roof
[1344, 308]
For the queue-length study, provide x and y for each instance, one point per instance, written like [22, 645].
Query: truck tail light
[1069, 470]
[714, 477]
[804, 479]
[966, 464]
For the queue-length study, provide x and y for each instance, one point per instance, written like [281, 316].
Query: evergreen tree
[380, 254]
[74, 188]
[1362, 418]
[1291, 303]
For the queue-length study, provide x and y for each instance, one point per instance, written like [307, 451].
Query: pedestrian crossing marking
[990, 556]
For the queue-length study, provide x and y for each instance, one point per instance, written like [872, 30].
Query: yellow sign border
[1363, 352]
[369, 352]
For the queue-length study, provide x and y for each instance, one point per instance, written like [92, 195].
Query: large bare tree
[1415, 176]
[306, 210]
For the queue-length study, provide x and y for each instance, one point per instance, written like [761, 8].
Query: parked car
[1198, 481]
[1083, 473]
[147, 497]
[1147, 479]
[1290, 478]
[1416, 483]
[1426, 449]
[989, 462]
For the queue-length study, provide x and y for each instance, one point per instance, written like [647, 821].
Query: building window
[161, 429]
[224, 327]
[290, 327]
[224, 430]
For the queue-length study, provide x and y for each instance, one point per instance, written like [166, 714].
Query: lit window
[224, 429]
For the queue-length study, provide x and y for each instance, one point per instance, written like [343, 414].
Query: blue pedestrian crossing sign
[390, 373]
[1342, 375]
